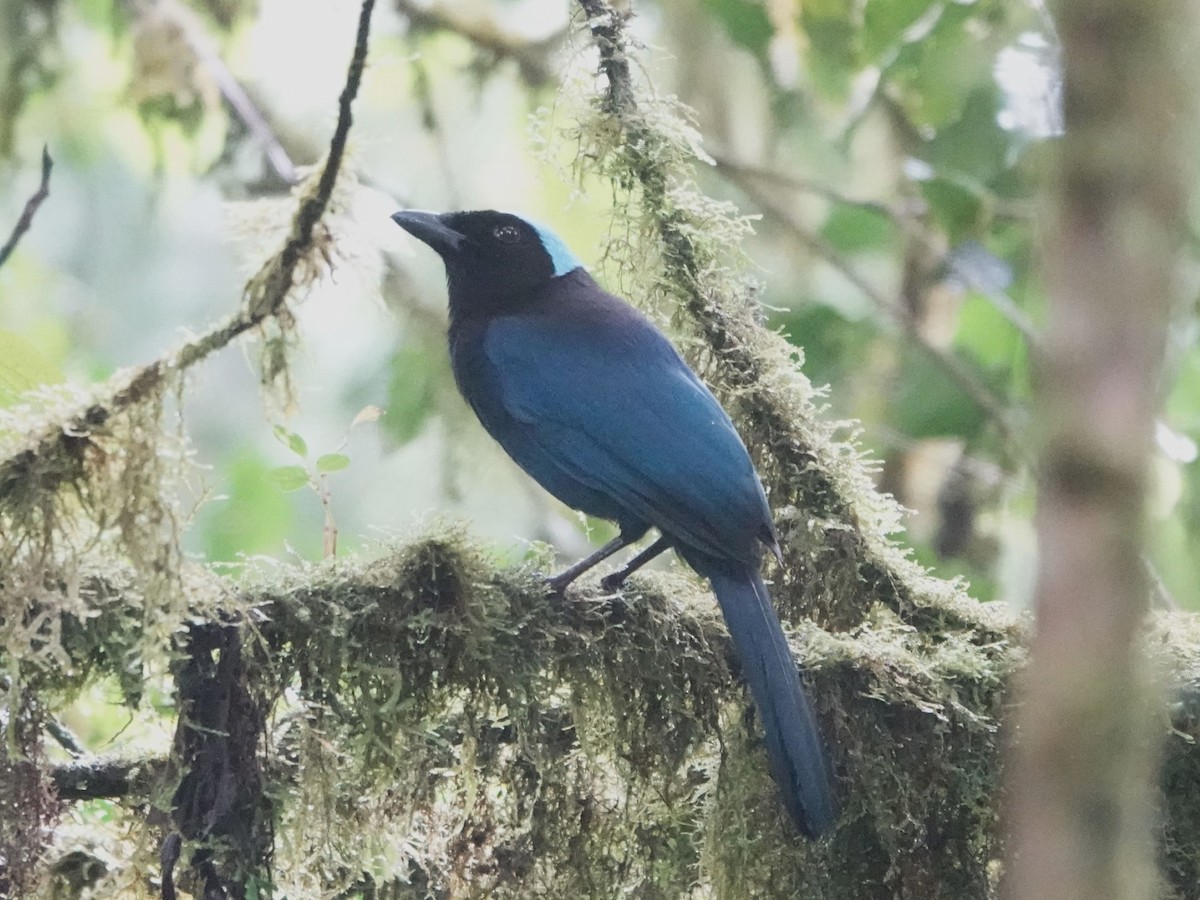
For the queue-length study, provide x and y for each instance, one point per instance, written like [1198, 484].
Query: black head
[489, 253]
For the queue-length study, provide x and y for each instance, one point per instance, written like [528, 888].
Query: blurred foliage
[412, 391]
[23, 368]
[253, 516]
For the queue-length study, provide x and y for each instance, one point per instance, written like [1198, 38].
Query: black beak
[429, 227]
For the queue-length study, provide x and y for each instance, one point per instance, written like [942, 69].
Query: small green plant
[316, 474]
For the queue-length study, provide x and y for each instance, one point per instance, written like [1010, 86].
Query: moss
[94, 485]
[437, 719]
[539, 747]
[516, 744]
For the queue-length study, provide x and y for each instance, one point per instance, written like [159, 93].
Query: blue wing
[604, 401]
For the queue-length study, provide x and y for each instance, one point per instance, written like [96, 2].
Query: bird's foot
[614, 582]
[558, 584]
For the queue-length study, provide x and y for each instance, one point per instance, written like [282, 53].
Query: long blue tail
[794, 744]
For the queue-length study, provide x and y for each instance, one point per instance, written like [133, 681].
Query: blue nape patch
[563, 259]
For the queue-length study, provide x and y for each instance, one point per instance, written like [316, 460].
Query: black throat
[472, 299]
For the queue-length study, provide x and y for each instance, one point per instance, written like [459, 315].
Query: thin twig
[337, 146]
[237, 98]
[906, 218]
[977, 390]
[533, 57]
[738, 170]
[31, 207]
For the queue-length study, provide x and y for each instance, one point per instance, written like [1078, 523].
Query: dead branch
[31, 207]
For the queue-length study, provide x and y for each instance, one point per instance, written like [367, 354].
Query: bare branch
[533, 57]
[31, 207]
[906, 217]
[740, 172]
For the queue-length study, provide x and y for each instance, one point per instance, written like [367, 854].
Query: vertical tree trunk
[1081, 783]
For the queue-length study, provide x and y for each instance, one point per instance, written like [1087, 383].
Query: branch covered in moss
[527, 745]
[92, 470]
[108, 777]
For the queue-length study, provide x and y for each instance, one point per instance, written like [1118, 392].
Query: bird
[594, 402]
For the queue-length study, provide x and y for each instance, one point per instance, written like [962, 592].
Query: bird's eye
[506, 234]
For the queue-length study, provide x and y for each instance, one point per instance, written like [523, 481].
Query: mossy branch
[86, 469]
[597, 743]
[109, 777]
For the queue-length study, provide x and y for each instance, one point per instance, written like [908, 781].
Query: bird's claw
[612, 583]
[556, 586]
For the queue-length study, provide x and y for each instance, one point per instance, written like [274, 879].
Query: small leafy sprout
[315, 475]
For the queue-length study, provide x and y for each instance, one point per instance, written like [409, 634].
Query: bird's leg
[559, 582]
[616, 579]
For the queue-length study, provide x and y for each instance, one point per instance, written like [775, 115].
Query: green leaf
[852, 228]
[745, 23]
[885, 21]
[292, 441]
[831, 54]
[931, 404]
[973, 145]
[411, 392]
[959, 210]
[932, 76]
[22, 368]
[289, 478]
[985, 334]
[332, 462]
